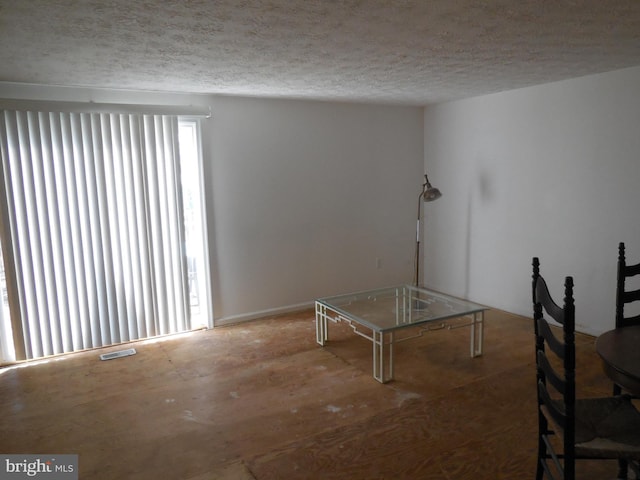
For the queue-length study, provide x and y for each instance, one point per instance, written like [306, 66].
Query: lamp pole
[428, 194]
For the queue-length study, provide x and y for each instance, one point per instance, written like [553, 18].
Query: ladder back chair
[626, 295]
[570, 429]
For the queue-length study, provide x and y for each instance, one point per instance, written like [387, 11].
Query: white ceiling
[410, 52]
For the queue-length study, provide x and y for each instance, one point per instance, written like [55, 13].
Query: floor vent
[118, 354]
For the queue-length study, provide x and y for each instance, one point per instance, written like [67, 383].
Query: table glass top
[398, 307]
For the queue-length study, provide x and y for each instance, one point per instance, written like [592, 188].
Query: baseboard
[245, 317]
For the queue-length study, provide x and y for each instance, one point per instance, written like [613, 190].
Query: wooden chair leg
[542, 453]
[623, 468]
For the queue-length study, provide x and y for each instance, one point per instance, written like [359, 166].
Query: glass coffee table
[384, 316]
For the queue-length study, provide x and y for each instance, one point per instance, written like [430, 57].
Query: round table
[620, 353]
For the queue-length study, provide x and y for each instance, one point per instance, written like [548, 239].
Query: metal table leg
[382, 367]
[321, 324]
[477, 330]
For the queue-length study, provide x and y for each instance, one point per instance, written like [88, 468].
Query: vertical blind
[96, 229]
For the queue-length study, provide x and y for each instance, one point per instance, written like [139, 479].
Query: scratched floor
[262, 400]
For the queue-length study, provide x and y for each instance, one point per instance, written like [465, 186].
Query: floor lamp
[428, 194]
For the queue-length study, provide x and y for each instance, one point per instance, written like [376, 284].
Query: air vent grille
[118, 354]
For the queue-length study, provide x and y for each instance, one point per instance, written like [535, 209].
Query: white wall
[305, 199]
[551, 171]
[307, 196]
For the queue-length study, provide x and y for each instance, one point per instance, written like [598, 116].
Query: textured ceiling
[411, 52]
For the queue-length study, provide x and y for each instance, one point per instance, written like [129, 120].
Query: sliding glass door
[97, 246]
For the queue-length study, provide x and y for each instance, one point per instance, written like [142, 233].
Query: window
[7, 351]
[102, 223]
[191, 170]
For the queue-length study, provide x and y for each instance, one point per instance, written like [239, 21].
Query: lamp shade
[431, 193]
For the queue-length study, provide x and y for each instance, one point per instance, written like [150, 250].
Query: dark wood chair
[570, 429]
[624, 317]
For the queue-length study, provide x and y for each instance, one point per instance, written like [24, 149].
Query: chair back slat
[550, 374]
[557, 413]
[632, 270]
[556, 345]
[631, 321]
[543, 297]
[631, 296]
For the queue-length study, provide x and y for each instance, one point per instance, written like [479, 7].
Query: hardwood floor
[261, 400]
